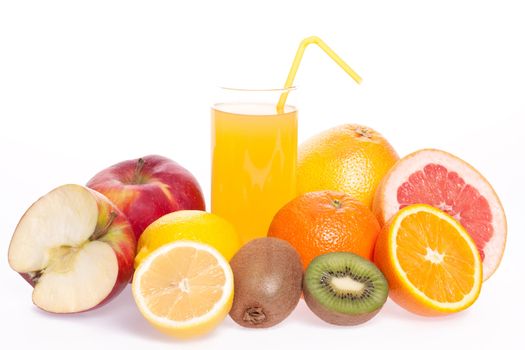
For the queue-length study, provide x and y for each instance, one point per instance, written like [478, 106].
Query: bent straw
[297, 60]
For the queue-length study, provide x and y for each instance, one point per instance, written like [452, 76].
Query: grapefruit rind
[385, 204]
[423, 299]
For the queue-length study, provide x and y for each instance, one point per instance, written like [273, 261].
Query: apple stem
[137, 175]
[104, 229]
[35, 276]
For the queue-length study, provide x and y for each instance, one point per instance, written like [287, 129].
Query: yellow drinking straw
[297, 60]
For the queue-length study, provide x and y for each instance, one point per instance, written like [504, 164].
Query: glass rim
[282, 90]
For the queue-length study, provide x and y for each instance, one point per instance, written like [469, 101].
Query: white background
[86, 84]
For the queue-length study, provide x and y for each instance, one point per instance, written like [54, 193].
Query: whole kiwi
[267, 275]
[344, 289]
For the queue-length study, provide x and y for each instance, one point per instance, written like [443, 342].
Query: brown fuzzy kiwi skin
[334, 317]
[268, 277]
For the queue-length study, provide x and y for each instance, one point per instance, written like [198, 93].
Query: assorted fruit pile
[425, 230]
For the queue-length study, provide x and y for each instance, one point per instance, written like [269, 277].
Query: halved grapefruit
[446, 182]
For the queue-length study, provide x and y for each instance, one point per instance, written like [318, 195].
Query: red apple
[147, 188]
[75, 248]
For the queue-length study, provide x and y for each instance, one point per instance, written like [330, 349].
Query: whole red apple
[75, 248]
[147, 188]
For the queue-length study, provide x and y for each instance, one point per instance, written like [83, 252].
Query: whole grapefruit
[321, 222]
[348, 158]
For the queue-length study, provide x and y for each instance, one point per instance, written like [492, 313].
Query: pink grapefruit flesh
[448, 183]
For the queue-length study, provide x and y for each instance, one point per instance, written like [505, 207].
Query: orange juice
[254, 153]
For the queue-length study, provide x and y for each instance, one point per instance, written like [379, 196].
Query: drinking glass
[254, 155]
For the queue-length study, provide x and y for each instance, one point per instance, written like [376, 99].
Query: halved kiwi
[344, 289]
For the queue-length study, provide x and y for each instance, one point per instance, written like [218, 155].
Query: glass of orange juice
[254, 155]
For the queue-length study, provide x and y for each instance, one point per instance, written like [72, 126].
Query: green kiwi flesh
[267, 274]
[344, 289]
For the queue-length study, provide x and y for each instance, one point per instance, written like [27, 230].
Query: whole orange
[326, 221]
[349, 158]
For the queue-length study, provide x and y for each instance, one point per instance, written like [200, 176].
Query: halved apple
[75, 248]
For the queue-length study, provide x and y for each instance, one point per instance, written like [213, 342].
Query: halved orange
[184, 288]
[431, 263]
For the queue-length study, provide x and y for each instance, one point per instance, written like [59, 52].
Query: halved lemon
[184, 289]
[431, 263]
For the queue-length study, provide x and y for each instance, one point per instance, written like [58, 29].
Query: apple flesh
[147, 188]
[75, 248]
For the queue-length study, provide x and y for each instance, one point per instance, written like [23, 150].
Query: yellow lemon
[184, 289]
[193, 225]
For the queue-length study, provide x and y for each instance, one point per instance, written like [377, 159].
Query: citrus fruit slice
[348, 158]
[431, 263]
[448, 183]
[184, 288]
[193, 225]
